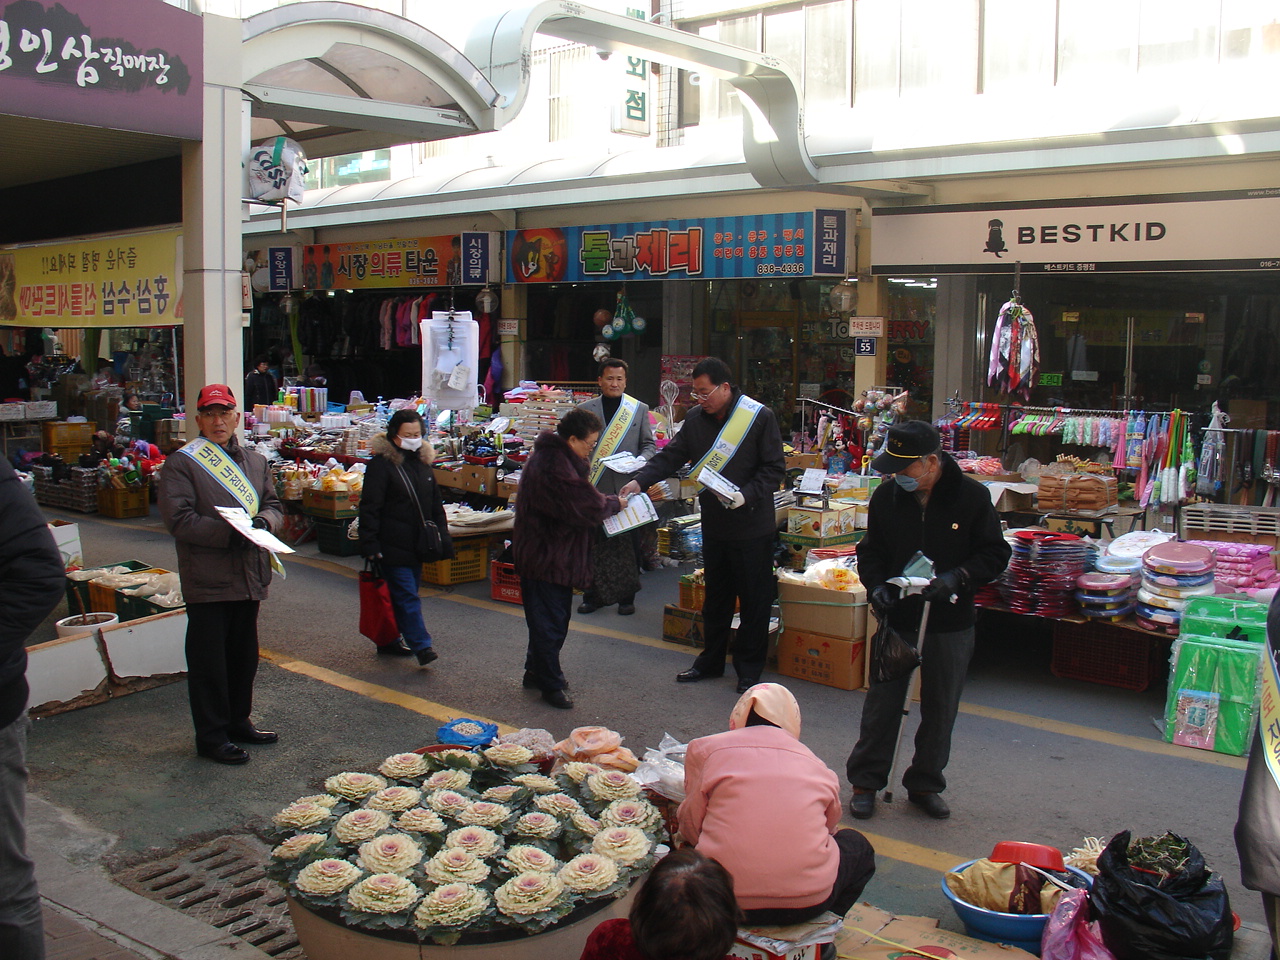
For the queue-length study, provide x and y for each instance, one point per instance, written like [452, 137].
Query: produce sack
[377, 618]
[1003, 887]
[1068, 934]
[1176, 913]
[891, 657]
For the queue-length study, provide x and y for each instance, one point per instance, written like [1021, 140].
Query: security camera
[603, 54]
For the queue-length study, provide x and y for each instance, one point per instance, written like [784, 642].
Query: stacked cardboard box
[824, 635]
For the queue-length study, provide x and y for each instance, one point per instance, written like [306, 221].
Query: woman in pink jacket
[761, 803]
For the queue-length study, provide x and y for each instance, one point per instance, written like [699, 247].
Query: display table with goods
[468, 845]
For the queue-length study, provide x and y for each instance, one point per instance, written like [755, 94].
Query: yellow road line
[1124, 740]
[911, 853]
[428, 708]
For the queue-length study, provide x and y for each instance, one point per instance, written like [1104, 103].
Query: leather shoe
[744, 684]
[225, 753]
[558, 699]
[932, 804]
[253, 735]
[626, 609]
[397, 648]
[862, 804]
[693, 675]
[530, 682]
[585, 607]
[426, 656]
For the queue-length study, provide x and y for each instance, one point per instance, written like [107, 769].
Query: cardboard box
[1011, 497]
[836, 520]
[833, 613]
[741, 950]
[856, 487]
[818, 658]
[330, 504]
[863, 923]
[470, 477]
[680, 625]
[804, 461]
[1077, 525]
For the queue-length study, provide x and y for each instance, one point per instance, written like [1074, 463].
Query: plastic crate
[692, 595]
[129, 502]
[331, 536]
[470, 562]
[78, 590]
[102, 599]
[59, 433]
[1106, 654]
[505, 585]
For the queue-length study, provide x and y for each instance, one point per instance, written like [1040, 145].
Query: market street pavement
[1035, 757]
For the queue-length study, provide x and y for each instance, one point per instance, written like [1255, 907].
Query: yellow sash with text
[613, 435]
[730, 437]
[229, 476]
[1269, 712]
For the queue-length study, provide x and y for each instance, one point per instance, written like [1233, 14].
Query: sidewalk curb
[67, 851]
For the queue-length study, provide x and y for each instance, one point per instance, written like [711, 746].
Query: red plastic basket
[1102, 653]
[504, 584]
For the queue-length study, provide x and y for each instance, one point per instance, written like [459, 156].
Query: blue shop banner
[716, 248]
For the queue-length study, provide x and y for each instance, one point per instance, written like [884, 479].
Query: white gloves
[735, 501]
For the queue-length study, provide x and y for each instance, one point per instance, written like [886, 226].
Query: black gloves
[261, 523]
[944, 586]
[882, 599]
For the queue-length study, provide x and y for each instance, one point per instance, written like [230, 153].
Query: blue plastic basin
[1021, 930]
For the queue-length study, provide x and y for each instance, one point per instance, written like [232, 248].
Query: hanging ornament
[623, 316]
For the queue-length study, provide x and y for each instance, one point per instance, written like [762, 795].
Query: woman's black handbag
[429, 544]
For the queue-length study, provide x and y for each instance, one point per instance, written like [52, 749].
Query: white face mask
[410, 443]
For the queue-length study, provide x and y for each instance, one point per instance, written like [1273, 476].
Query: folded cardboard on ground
[870, 933]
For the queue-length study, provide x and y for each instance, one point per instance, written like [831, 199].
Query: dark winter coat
[958, 528]
[389, 519]
[259, 388]
[34, 580]
[557, 514]
[1258, 827]
[758, 468]
[216, 563]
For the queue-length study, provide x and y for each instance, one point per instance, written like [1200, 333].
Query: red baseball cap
[215, 395]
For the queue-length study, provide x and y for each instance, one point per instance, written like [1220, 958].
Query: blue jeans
[21, 925]
[403, 582]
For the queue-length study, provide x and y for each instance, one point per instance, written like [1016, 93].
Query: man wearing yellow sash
[615, 567]
[738, 438]
[224, 575]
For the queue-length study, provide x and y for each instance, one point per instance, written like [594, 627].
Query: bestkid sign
[1236, 230]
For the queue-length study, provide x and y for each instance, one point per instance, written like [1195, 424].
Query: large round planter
[322, 939]
[85, 623]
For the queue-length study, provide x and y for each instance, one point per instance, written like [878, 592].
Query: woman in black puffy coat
[403, 525]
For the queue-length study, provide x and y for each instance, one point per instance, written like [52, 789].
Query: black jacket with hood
[389, 520]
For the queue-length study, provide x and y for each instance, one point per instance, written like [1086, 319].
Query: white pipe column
[212, 178]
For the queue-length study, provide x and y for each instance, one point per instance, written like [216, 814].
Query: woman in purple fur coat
[557, 513]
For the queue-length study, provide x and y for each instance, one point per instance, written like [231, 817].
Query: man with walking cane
[932, 508]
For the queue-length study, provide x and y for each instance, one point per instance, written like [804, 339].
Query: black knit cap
[906, 443]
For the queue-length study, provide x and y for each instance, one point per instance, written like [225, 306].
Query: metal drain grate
[222, 883]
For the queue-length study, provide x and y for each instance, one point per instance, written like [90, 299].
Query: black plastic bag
[891, 657]
[1142, 916]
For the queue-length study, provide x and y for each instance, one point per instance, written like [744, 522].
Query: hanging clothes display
[1015, 350]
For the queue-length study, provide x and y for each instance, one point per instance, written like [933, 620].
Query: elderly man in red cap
[224, 575]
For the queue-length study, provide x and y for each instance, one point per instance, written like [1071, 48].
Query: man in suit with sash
[224, 575]
[737, 437]
[615, 560]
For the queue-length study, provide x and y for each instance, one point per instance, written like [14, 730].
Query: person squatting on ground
[685, 910]
[224, 575]
[933, 508]
[738, 437]
[34, 580]
[615, 561]
[556, 521]
[761, 803]
[403, 525]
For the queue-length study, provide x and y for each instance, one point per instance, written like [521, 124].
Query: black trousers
[222, 660]
[547, 609]
[741, 569]
[944, 662]
[857, 866]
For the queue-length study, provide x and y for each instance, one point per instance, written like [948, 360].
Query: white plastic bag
[662, 770]
[276, 169]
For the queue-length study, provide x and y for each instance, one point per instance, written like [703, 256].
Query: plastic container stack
[1041, 576]
[1172, 574]
[1106, 597]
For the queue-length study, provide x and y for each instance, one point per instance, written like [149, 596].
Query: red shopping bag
[377, 618]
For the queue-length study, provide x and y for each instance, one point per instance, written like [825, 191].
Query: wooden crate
[129, 502]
